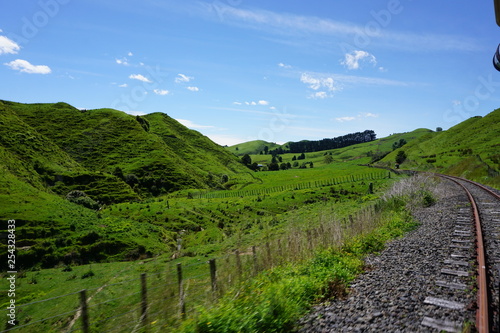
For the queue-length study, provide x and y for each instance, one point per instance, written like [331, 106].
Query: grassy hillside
[48, 151]
[470, 149]
[252, 147]
[162, 154]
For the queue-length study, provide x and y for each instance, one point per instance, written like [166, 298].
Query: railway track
[485, 207]
[430, 280]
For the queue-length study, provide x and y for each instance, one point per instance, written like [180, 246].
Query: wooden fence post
[85, 312]
[182, 304]
[144, 300]
[213, 275]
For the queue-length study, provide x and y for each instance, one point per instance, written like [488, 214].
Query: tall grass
[313, 265]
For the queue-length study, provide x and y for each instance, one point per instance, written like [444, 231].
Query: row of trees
[325, 144]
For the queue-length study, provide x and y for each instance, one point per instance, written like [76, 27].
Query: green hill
[48, 151]
[108, 150]
[252, 147]
[470, 149]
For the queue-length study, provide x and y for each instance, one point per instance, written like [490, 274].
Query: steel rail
[482, 313]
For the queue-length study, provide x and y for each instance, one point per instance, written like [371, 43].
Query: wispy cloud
[282, 65]
[286, 24]
[193, 89]
[122, 61]
[253, 103]
[323, 85]
[25, 67]
[181, 78]
[352, 59]
[8, 46]
[359, 116]
[139, 77]
[161, 92]
[343, 119]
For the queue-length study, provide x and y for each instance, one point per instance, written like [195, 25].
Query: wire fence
[292, 187]
[162, 300]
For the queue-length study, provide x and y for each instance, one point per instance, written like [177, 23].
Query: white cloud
[282, 65]
[161, 92]
[181, 78]
[237, 103]
[359, 116]
[193, 88]
[140, 78]
[190, 124]
[8, 46]
[122, 61]
[319, 95]
[262, 102]
[130, 54]
[25, 67]
[352, 60]
[319, 81]
[123, 85]
[342, 119]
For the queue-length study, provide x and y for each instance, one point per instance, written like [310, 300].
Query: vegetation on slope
[469, 149]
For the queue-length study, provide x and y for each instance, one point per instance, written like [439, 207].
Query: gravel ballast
[423, 282]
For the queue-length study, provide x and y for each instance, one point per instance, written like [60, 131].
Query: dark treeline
[325, 144]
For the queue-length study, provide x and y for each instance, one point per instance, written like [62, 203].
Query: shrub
[80, 198]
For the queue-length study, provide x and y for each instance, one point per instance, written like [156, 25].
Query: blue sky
[240, 70]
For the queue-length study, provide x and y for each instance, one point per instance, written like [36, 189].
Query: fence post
[144, 300]
[213, 275]
[85, 312]
[182, 304]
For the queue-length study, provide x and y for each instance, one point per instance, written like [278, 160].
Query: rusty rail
[482, 314]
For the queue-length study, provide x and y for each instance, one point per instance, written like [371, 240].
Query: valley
[147, 193]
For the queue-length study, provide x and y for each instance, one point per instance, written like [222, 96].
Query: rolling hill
[60, 164]
[470, 149]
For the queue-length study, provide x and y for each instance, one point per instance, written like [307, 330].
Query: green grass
[469, 149]
[274, 300]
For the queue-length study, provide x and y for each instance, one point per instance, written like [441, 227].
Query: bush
[80, 198]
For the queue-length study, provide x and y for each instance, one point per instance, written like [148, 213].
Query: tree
[274, 167]
[119, 173]
[328, 159]
[266, 149]
[400, 157]
[439, 129]
[246, 159]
